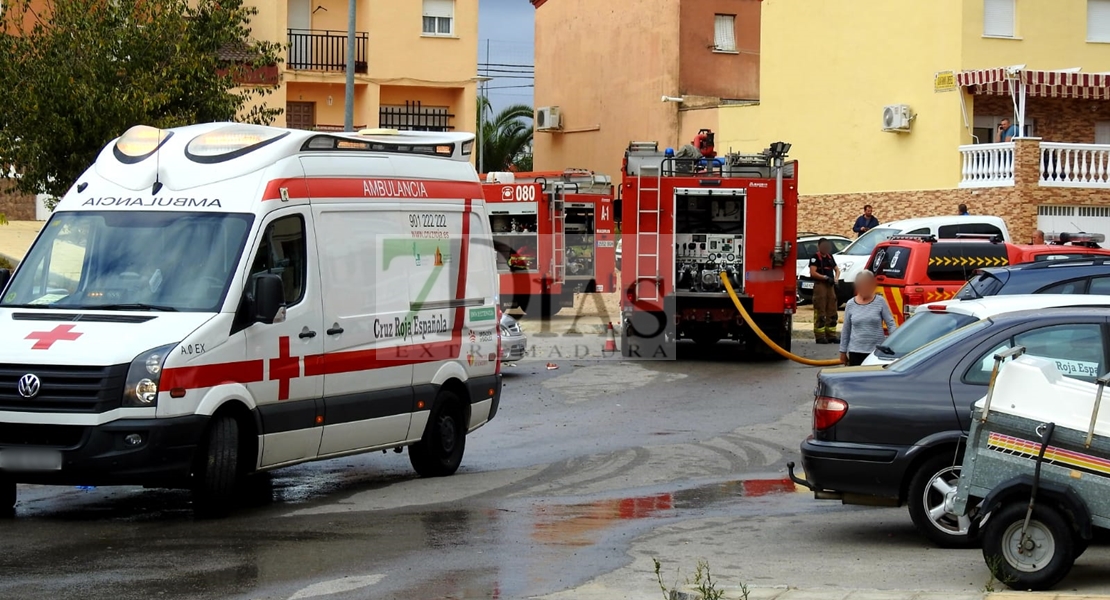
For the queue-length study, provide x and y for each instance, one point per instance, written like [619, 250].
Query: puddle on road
[580, 525]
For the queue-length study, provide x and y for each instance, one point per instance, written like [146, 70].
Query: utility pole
[349, 100]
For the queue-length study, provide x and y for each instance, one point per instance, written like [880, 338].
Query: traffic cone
[610, 340]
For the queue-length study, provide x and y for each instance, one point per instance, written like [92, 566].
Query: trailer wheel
[1037, 561]
[439, 453]
[217, 478]
[927, 495]
[8, 496]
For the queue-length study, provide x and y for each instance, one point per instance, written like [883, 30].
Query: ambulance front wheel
[7, 497]
[1035, 560]
[439, 453]
[217, 475]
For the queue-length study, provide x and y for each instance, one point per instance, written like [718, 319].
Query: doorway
[300, 115]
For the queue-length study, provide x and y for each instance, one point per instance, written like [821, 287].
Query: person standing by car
[864, 316]
[823, 270]
[865, 222]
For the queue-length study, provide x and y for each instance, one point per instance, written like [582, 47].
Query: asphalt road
[588, 471]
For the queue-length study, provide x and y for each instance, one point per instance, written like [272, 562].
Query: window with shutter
[998, 18]
[1098, 20]
[439, 17]
[724, 33]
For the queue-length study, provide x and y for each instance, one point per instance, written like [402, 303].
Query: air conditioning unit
[548, 118]
[897, 117]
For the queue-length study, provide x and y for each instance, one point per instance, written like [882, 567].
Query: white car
[807, 249]
[931, 321]
[853, 258]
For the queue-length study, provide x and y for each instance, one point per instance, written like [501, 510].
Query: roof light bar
[1064, 237]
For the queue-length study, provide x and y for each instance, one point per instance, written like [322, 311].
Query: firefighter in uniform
[824, 272]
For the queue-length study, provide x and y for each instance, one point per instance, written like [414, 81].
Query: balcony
[1046, 164]
[324, 50]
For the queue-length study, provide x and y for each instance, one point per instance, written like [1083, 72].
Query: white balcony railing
[1075, 165]
[987, 165]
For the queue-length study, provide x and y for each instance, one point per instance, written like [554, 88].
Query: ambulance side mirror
[5, 275]
[268, 299]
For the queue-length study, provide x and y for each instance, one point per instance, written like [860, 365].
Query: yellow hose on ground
[763, 336]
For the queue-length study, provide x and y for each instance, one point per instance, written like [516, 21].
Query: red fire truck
[554, 237]
[690, 215]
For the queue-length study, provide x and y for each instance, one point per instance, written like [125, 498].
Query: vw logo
[28, 385]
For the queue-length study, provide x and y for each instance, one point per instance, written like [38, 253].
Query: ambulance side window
[282, 252]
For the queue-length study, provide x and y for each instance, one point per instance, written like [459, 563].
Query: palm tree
[506, 137]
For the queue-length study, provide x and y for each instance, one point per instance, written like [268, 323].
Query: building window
[414, 116]
[724, 33]
[1098, 20]
[439, 17]
[1102, 132]
[998, 18]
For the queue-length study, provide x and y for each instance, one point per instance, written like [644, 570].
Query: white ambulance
[220, 299]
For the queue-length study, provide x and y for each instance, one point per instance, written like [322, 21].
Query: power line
[489, 64]
[508, 71]
[510, 87]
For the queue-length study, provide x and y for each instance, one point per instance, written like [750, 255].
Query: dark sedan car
[1070, 276]
[893, 435]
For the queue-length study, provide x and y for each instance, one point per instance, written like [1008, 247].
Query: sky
[505, 44]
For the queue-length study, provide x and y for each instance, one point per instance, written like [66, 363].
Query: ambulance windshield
[145, 260]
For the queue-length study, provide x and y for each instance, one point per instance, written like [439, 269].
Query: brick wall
[835, 213]
[14, 205]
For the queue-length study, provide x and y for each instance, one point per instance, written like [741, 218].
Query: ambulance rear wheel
[217, 476]
[439, 453]
[7, 497]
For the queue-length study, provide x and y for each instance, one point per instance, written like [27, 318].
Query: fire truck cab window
[515, 238]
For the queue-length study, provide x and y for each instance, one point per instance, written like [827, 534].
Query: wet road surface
[580, 462]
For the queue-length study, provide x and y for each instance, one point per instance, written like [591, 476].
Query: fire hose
[763, 336]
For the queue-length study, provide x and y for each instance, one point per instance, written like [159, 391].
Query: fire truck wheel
[7, 497]
[439, 453]
[217, 478]
[1037, 560]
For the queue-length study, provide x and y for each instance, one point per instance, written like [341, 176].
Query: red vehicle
[688, 216]
[554, 236]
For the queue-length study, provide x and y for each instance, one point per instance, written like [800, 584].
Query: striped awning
[1038, 84]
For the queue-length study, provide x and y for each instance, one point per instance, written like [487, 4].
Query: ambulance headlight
[139, 142]
[144, 376]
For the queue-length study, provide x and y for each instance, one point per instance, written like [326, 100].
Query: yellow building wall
[829, 68]
[398, 50]
[399, 58]
[1050, 34]
[605, 65]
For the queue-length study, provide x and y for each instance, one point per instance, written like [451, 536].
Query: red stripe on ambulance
[204, 376]
[300, 188]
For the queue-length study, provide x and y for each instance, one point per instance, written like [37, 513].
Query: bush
[5, 263]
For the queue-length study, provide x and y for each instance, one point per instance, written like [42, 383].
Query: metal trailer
[1036, 473]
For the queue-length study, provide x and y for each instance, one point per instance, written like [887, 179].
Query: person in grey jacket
[864, 316]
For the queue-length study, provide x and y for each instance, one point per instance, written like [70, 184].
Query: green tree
[84, 71]
[506, 137]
